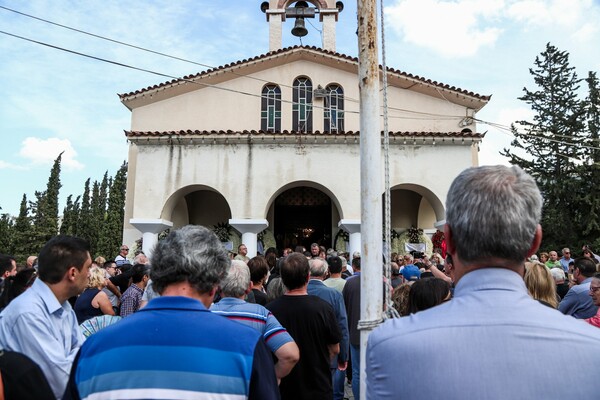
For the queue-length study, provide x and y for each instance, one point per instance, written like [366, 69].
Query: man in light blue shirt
[40, 323]
[493, 339]
[577, 302]
[566, 259]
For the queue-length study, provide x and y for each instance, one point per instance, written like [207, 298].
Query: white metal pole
[371, 304]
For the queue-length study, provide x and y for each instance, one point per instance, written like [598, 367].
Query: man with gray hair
[175, 347]
[498, 340]
[232, 305]
[316, 287]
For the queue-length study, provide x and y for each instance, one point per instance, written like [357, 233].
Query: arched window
[334, 109]
[302, 105]
[270, 111]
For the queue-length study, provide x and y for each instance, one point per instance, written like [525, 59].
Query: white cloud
[7, 165]
[453, 29]
[566, 13]
[45, 151]
[586, 32]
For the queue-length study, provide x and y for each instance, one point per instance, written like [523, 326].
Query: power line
[184, 79]
[426, 115]
[508, 131]
[199, 63]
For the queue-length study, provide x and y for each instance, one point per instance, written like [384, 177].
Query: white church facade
[272, 143]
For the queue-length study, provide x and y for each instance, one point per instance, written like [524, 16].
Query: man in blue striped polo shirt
[175, 348]
[233, 289]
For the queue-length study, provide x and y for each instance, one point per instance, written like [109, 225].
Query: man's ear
[449, 239]
[72, 273]
[537, 240]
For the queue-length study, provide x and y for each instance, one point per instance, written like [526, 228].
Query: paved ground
[348, 391]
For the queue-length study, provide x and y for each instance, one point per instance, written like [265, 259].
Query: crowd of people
[196, 322]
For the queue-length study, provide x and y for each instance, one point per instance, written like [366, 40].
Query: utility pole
[371, 303]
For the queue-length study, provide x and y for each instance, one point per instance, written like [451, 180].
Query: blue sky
[55, 101]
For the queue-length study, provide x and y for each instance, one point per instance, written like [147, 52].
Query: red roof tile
[190, 133]
[310, 49]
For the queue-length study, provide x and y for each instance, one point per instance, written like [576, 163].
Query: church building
[268, 147]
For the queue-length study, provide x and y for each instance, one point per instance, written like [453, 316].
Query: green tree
[552, 142]
[70, 217]
[588, 192]
[84, 226]
[46, 207]
[22, 232]
[6, 232]
[112, 229]
[96, 217]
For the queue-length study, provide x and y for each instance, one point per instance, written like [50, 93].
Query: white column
[352, 226]
[275, 18]
[249, 228]
[150, 229]
[439, 225]
[329, 21]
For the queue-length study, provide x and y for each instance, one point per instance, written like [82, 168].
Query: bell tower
[278, 10]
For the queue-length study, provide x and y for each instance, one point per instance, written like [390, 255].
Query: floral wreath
[437, 239]
[223, 231]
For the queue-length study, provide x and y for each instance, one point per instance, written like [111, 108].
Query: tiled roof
[309, 49]
[189, 133]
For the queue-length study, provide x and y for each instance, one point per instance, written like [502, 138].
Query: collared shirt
[316, 287]
[190, 353]
[131, 299]
[336, 283]
[578, 302]
[37, 325]
[254, 316]
[495, 341]
[564, 262]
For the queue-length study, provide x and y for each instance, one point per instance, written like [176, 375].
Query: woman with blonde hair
[540, 284]
[93, 301]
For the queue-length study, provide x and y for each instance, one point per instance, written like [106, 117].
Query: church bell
[299, 29]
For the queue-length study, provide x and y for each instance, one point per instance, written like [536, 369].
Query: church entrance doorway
[302, 215]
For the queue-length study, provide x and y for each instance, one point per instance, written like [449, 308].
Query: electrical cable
[206, 65]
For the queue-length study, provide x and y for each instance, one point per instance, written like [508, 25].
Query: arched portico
[414, 205]
[197, 205]
[303, 212]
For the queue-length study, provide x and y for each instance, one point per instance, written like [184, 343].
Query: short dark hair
[427, 293]
[295, 271]
[259, 268]
[59, 254]
[107, 264]
[586, 266]
[335, 265]
[5, 263]
[356, 263]
[138, 271]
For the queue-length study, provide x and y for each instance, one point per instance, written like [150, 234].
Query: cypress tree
[548, 146]
[83, 226]
[6, 232]
[22, 233]
[588, 193]
[70, 217]
[112, 229]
